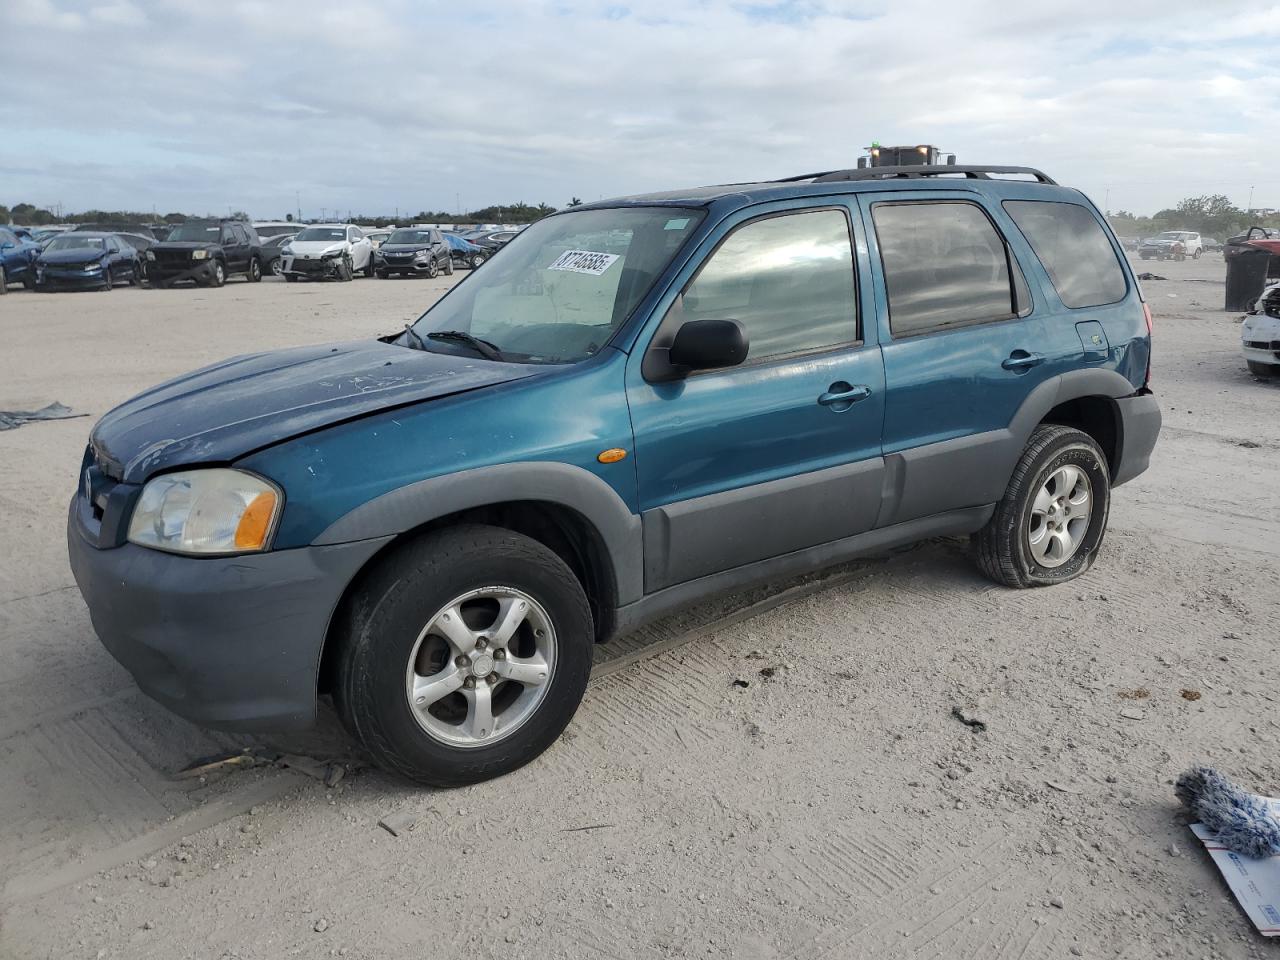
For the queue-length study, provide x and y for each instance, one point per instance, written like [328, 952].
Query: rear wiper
[412, 334]
[486, 349]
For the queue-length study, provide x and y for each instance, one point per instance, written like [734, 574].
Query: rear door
[962, 344]
[782, 452]
[234, 248]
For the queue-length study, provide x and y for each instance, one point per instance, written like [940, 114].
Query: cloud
[371, 107]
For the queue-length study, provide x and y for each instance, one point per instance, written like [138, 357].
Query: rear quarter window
[1075, 250]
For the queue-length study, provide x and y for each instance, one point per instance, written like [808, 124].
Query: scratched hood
[222, 412]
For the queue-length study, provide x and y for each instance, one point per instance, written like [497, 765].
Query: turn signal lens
[255, 522]
[612, 455]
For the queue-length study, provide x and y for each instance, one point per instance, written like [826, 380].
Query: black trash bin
[1247, 270]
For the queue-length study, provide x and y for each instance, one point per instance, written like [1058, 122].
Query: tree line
[29, 215]
[1212, 215]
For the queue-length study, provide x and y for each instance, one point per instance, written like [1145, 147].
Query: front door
[782, 452]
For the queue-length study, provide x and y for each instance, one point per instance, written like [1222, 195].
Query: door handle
[842, 395]
[1022, 360]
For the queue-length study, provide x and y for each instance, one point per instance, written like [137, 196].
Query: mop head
[1242, 821]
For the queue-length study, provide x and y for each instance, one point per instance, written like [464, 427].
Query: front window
[311, 234]
[195, 233]
[409, 236]
[71, 242]
[560, 289]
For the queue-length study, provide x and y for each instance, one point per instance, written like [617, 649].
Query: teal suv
[636, 404]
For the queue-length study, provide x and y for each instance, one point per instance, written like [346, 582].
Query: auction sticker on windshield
[583, 261]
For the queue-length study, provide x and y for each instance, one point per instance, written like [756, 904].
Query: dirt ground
[828, 806]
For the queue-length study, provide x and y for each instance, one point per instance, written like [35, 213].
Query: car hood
[63, 258]
[312, 247]
[184, 245]
[404, 247]
[222, 412]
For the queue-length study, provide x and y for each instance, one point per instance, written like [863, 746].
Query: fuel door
[1094, 341]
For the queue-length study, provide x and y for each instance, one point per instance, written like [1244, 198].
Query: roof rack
[910, 173]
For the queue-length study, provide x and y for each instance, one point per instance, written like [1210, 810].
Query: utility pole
[297, 199]
[1106, 204]
[1250, 206]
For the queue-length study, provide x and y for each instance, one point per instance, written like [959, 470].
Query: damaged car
[1260, 334]
[327, 251]
[88, 261]
[639, 404]
[205, 252]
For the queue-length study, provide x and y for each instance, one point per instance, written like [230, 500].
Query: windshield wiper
[486, 349]
[412, 334]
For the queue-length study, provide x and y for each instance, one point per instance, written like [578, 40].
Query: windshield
[1171, 235]
[194, 233]
[561, 288]
[410, 236]
[68, 242]
[321, 233]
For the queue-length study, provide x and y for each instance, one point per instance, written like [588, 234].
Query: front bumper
[160, 272]
[1260, 333]
[402, 266]
[1139, 422]
[227, 642]
[312, 268]
[70, 279]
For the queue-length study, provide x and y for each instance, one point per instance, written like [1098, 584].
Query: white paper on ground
[1255, 883]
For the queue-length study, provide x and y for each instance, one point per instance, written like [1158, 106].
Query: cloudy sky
[205, 105]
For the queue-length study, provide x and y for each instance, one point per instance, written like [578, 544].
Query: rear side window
[1074, 249]
[787, 279]
[945, 265]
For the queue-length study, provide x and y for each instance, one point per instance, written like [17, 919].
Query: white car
[1260, 335]
[327, 250]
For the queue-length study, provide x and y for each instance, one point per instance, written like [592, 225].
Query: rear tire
[1263, 371]
[391, 641]
[4, 282]
[1039, 514]
[476, 260]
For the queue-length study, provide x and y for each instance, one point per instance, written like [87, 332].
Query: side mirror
[708, 345]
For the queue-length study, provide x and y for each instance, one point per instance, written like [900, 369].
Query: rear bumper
[1139, 423]
[227, 642]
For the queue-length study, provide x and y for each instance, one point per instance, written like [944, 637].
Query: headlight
[286, 251]
[92, 267]
[422, 255]
[150, 255]
[206, 511]
[334, 252]
[199, 254]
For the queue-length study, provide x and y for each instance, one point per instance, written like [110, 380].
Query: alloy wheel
[1060, 516]
[481, 666]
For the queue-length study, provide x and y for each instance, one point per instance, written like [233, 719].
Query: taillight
[1146, 313]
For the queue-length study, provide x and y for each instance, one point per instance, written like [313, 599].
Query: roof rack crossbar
[909, 173]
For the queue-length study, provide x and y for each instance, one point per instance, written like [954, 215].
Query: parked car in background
[80, 260]
[43, 235]
[412, 251]
[325, 251]
[1212, 245]
[141, 244]
[17, 259]
[641, 403]
[275, 228]
[464, 252]
[377, 237]
[135, 228]
[273, 251]
[1165, 245]
[1260, 334]
[492, 240]
[1129, 243]
[206, 252]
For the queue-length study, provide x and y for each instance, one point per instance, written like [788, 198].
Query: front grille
[1263, 344]
[173, 257]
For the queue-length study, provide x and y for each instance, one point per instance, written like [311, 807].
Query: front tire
[476, 260]
[219, 274]
[463, 655]
[255, 270]
[448, 266]
[1049, 526]
[1263, 371]
[433, 269]
[368, 267]
[4, 282]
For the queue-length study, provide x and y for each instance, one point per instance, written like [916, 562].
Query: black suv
[412, 250]
[206, 251]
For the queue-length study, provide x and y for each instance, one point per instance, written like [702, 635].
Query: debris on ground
[399, 822]
[1248, 444]
[1151, 276]
[1243, 822]
[768, 672]
[245, 759]
[1190, 694]
[1133, 713]
[739, 682]
[1141, 693]
[13, 419]
[1241, 832]
[328, 772]
[969, 717]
